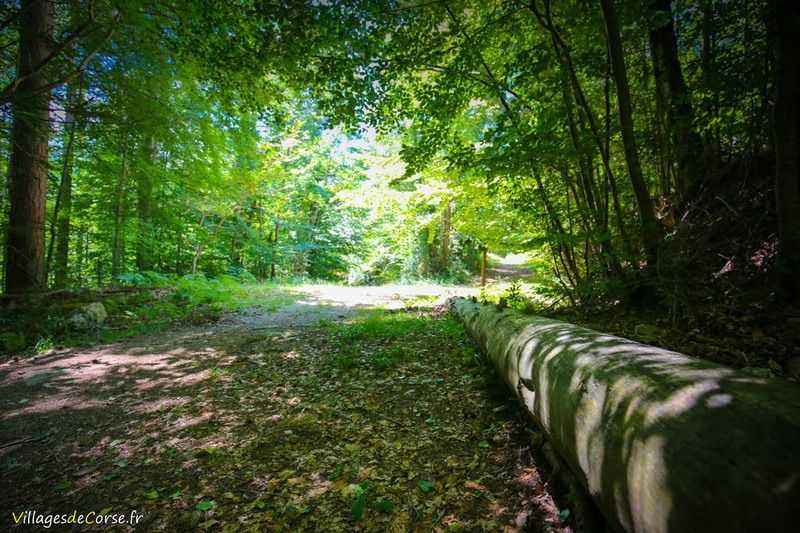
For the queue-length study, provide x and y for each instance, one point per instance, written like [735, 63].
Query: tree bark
[444, 248]
[272, 254]
[116, 250]
[786, 131]
[144, 205]
[25, 242]
[688, 146]
[650, 232]
[663, 442]
[60, 227]
[484, 251]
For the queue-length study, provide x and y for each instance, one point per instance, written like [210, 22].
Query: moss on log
[662, 441]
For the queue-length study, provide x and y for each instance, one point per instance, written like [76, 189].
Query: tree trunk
[199, 248]
[25, 242]
[272, 255]
[786, 131]
[144, 204]
[564, 59]
[484, 251]
[688, 146]
[117, 247]
[444, 248]
[60, 227]
[663, 442]
[650, 232]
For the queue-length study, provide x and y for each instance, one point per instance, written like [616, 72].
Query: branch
[84, 30]
[80, 68]
[502, 87]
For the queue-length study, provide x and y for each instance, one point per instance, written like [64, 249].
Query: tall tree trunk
[117, 247]
[25, 242]
[444, 248]
[672, 88]
[564, 59]
[144, 205]
[710, 106]
[650, 232]
[272, 254]
[60, 227]
[786, 130]
[484, 251]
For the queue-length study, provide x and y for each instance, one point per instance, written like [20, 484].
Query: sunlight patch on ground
[520, 259]
[383, 296]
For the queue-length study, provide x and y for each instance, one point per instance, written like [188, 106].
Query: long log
[662, 441]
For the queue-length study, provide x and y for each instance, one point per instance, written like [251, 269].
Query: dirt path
[508, 269]
[348, 410]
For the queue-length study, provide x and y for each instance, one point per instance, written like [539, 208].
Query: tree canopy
[365, 141]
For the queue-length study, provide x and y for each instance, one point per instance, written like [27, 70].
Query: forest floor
[346, 409]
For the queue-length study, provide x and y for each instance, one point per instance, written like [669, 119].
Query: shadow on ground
[287, 420]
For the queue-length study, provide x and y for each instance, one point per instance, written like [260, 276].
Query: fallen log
[662, 441]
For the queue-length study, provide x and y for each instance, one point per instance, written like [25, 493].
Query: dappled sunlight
[384, 296]
[55, 402]
[639, 424]
[649, 498]
[589, 445]
[316, 402]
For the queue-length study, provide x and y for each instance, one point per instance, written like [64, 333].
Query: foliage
[366, 142]
[151, 307]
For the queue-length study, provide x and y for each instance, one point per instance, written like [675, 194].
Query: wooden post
[483, 265]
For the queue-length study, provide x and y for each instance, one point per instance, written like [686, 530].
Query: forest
[264, 261]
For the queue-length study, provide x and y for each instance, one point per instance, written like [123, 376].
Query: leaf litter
[387, 421]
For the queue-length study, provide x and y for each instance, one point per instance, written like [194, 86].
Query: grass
[531, 298]
[384, 339]
[39, 324]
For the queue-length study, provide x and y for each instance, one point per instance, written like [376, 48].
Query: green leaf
[424, 485]
[120, 463]
[483, 444]
[261, 504]
[384, 505]
[430, 421]
[564, 514]
[152, 495]
[176, 494]
[358, 507]
[115, 442]
[203, 505]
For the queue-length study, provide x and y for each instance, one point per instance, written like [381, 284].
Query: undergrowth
[151, 303]
[384, 339]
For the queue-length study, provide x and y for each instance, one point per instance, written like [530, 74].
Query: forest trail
[348, 409]
[510, 268]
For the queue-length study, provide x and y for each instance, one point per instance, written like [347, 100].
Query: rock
[793, 368]
[646, 331]
[87, 317]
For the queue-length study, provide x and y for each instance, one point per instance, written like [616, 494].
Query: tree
[650, 231]
[60, 226]
[28, 169]
[672, 92]
[786, 128]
